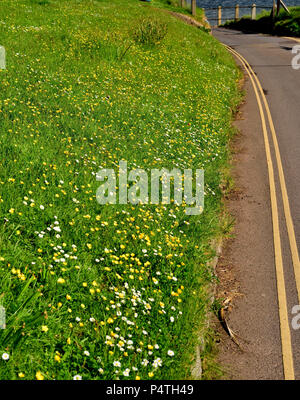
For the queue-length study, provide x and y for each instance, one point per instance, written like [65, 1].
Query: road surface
[248, 269]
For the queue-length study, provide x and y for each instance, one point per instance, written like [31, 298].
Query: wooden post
[182, 3]
[219, 15]
[194, 7]
[253, 11]
[278, 6]
[273, 12]
[237, 12]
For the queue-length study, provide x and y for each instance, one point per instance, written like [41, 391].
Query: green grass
[175, 6]
[86, 286]
[285, 24]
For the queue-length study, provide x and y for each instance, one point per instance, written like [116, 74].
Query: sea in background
[229, 14]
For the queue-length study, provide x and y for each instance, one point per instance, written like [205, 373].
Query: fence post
[253, 11]
[278, 6]
[273, 12]
[237, 12]
[182, 3]
[194, 8]
[219, 15]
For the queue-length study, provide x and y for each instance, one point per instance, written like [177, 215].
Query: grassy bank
[284, 24]
[92, 291]
[175, 6]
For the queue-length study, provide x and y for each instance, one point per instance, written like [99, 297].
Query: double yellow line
[287, 353]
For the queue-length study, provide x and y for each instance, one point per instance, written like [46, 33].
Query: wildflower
[126, 372]
[21, 375]
[61, 280]
[117, 364]
[39, 376]
[5, 356]
[171, 353]
[157, 363]
[86, 353]
[45, 328]
[77, 378]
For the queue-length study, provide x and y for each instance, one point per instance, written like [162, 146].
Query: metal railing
[236, 15]
[219, 10]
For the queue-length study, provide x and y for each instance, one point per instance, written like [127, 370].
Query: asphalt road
[251, 254]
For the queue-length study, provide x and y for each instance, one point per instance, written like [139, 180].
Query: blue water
[229, 14]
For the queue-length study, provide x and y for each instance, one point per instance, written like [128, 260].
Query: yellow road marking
[285, 199]
[286, 344]
[292, 38]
